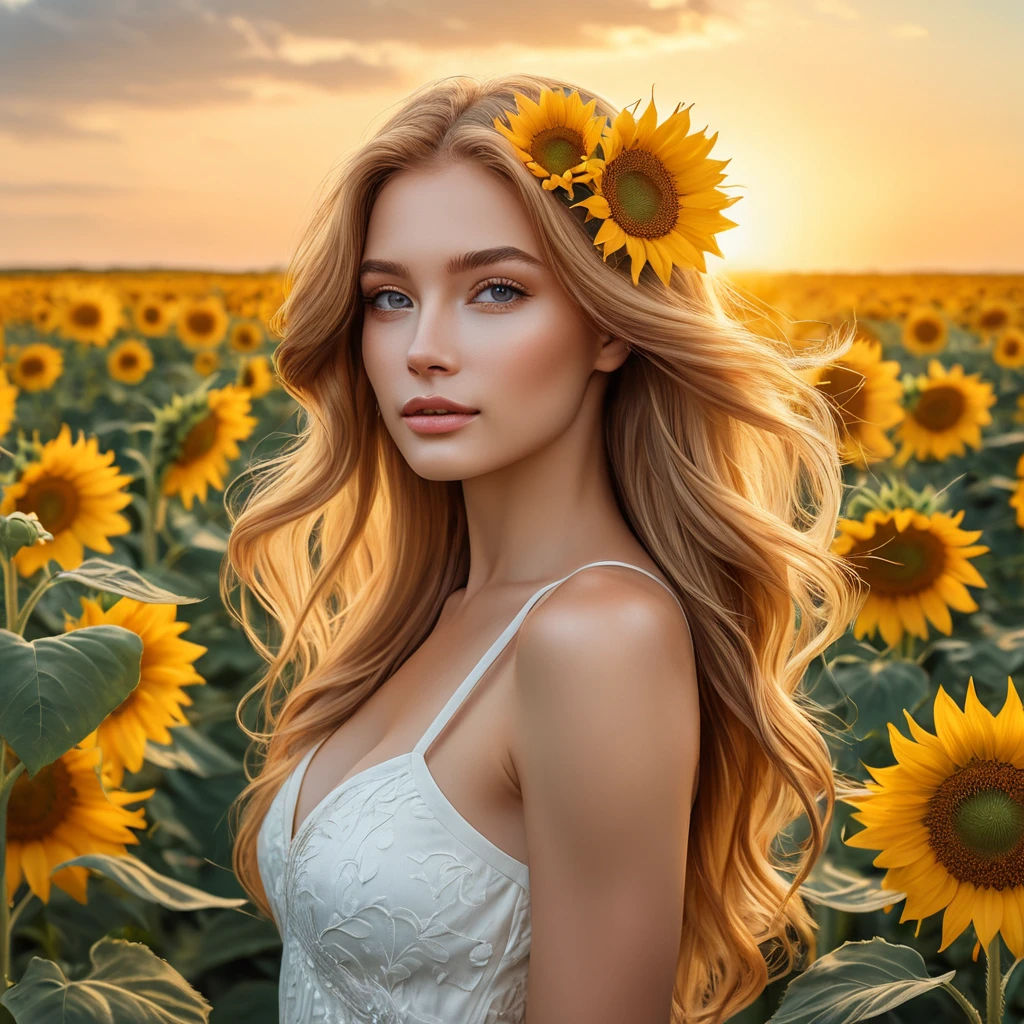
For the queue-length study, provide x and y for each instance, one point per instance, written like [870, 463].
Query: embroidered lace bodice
[393, 909]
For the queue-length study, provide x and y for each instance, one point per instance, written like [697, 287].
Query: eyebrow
[457, 264]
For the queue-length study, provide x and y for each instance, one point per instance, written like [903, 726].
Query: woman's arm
[607, 745]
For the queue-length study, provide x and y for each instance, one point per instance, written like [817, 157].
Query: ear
[613, 353]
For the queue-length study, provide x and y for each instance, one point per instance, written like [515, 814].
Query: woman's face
[460, 305]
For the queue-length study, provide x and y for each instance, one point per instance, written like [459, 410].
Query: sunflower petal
[958, 914]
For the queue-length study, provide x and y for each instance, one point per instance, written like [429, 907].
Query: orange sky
[870, 135]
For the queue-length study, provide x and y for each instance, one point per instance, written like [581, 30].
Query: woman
[621, 450]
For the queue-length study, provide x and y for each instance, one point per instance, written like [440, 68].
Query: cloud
[40, 123]
[908, 31]
[61, 56]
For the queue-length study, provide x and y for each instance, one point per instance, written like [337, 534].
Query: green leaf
[192, 751]
[844, 889]
[139, 878]
[254, 1002]
[57, 689]
[128, 984]
[226, 939]
[115, 578]
[881, 690]
[856, 981]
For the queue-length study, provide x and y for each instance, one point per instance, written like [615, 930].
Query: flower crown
[652, 186]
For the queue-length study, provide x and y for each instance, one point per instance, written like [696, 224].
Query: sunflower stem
[7, 780]
[33, 599]
[972, 1014]
[149, 546]
[18, 908]
[10, 593]
[993, 977]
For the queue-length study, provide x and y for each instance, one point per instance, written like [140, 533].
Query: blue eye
[372, 300]
[503, 293]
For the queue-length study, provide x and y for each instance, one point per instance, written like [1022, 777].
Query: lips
[417, 405]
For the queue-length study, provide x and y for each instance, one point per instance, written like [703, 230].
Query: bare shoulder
[603, 595]
[608, 615]
[605, 670]
[607, 744]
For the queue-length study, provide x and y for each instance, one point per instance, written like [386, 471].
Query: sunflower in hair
[554, 137]
[654, 188]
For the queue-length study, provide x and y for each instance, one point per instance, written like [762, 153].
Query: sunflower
[948, 818]
[62, 812]
[925, 331]
[874, 306]
[37, 366]
[950, 411]
[654, 190]
[76, 492]
[993, 316]
[554, 137]
[44, 316]
[256, 376]
[202, 323]
[1009, 348]
[156, 703]
[130, 361]
[201, 458]
[152, 316]
[246, 336]
[91, 314]
[865, 394]
[205, 362]
[915, 566]
[8, 400]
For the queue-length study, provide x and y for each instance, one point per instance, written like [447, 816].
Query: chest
[471, 760]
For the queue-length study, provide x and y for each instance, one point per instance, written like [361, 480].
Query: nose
[434, 347]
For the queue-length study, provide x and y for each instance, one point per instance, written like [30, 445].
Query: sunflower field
[131, 402]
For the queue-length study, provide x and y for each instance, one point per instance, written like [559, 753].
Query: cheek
[541, 362]
[378, 356]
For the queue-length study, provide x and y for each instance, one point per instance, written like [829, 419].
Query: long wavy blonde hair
[726, 464]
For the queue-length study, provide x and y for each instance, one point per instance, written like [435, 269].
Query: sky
[868, 136]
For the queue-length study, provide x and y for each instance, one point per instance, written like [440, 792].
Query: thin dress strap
[499, 645]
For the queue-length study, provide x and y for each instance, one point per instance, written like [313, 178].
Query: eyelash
[484, 285]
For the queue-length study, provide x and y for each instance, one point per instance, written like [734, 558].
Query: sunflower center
[201, 322]
[990, 821]
[86, 314]
[1011, 347]
[129, 361]
[975, 823]
[247, 377]
[151, 315]
[32, 366]
[895, 564]
[557, 149]
[38, 805]
[939, 408]
[993, 318]
[199, 441]
[926, 331]
[54, 500]
[846, 389]
[641, 193]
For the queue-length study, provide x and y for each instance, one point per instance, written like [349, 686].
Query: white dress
[394, 909]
